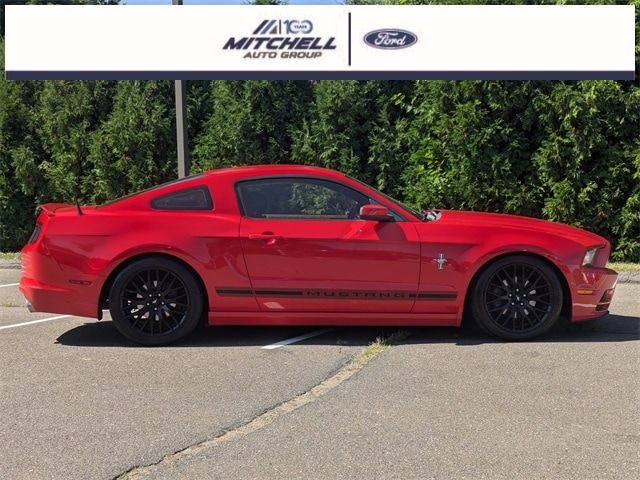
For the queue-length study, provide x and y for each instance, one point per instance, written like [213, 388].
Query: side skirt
[334, 319]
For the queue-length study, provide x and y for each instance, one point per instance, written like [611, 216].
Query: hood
[500, 220]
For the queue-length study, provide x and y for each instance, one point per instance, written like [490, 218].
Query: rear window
[177, 180]
[196, 198]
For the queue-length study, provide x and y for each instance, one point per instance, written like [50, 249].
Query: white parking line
[34, 321]
[9, 285]
[299, 338]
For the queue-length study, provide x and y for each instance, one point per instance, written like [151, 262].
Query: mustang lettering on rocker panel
[282, 39]
[337, 294]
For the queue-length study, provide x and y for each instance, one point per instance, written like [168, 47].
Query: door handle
[268, 237]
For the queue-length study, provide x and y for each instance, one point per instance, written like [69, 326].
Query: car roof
[138, 199]
[275, 169]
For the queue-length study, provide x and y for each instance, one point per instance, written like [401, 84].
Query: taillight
[36, 232]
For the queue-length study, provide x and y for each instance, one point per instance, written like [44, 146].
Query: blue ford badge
[391, 38]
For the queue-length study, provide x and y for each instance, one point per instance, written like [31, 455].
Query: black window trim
[400, 217]
[150, 189]
[204, 188]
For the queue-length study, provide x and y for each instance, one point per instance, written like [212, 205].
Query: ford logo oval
[391, 38]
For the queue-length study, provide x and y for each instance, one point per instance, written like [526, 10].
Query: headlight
[590, 256]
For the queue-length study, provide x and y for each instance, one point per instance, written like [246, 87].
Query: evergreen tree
[68, 113]
[134, 148]
[566, 151]
[251, 122]
[354, 127]
[19, 150]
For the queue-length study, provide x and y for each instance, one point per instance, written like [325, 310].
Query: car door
[306, 250]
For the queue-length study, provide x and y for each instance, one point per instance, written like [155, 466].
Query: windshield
[412, 211]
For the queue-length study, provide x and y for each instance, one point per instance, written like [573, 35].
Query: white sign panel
[321, 42]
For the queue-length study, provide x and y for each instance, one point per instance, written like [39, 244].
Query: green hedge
[565, 151]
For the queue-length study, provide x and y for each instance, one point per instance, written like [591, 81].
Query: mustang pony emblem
[441, 261]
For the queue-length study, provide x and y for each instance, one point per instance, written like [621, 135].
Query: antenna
[78, 207]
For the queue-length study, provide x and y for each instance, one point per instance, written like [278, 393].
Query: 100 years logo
[281, 39]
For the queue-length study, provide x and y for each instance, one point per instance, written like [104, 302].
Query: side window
[299, 198]
[197, 198]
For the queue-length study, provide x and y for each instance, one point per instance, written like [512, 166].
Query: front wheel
[516, 298]
[155, 301]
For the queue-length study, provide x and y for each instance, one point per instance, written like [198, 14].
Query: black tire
[155, 301]
[516, 298]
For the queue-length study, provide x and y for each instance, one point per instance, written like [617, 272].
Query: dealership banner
[319, 42]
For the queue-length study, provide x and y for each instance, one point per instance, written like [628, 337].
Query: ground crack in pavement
[379, 346]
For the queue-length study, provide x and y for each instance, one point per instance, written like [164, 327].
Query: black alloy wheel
[155, 301]
[517, 298]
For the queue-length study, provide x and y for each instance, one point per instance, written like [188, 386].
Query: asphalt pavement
[81, 402]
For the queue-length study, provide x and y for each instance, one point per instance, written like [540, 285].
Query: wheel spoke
[498, 297]
[533, 312]
[164, 321]
[161, 283]
[501, 307]
[542, 310]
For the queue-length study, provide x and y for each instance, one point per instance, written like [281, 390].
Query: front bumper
[592, 292]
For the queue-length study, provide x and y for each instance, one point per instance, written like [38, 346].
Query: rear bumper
[47, 288]
[42, 297]
[592, 293]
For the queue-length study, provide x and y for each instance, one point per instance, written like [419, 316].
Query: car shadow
[104, 334]
[612, 328]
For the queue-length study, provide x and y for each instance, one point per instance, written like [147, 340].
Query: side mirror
[377, 213]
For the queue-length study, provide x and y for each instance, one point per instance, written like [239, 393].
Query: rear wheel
[155, 301]
[517, 298]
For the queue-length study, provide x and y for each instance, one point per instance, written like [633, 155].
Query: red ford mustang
[285, 245]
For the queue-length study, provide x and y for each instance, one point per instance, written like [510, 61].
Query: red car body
[274, 271]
